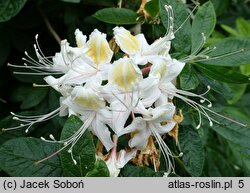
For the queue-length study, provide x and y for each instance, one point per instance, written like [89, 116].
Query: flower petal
[97, 48]
[100, 130]
[80, 38]
[149, 91]
[87, 99]
[161, 45]
[137, 124]
[164, 112]
[140, 139]
[120, 116]
[125, 157]
[125, 74]
[165, 128]
[127, 42]
[173, 70]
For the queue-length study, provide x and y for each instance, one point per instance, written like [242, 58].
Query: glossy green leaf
[229, 75]
[83, 151]
[193, 151]
[152, 7]
[238, 91]
[203, 23]
[242, 156]
[21, 154]
[231, 131]
[100, 170]
[182, 41]
[188, 78]
[230, 30]
[220, 6]
[29, 96]
[216, 165]
[9, 8]
[243, 26]
[245, 69]
[220, 88]
[118, 16]
[230, 52]
[8, 122]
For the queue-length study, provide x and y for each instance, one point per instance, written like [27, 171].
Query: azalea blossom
[91, 109]
[131, 95]
[124, 91]
[160, 122]
[118, 160]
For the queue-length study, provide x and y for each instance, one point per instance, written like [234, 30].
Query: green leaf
[242, 156]
[19, 156]
[188, 78]
[193, 152]
[100, 170]
[118, 16]
[231, 131]
[152, 7]
[230, 30]
[220, 88]
[220, 6]
[83, 151]
[182, 41]
[32, 99]
[4, 46]
[229, 75]
[135, 171]
[204, 22]
[217, 165]
[238, 91]
[9, 8]
[245, 69]
[8, 122]
[230, 52]
[243, 26]
[71, 1]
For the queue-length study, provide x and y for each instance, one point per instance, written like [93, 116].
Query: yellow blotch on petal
[124, 74]
[127, 42]
[159, 70]
[98, 48]
[91, 102]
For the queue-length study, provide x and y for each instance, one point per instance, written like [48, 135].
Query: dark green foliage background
[223, 150]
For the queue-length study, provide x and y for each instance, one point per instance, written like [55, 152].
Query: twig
[2, 100]
[50, 28]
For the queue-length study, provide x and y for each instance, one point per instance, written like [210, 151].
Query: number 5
[241, 184]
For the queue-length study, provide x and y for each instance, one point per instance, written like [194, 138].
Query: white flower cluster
[132, 95]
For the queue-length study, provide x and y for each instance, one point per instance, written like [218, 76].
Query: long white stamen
[183, 23]
[220, 56]
[73, 139]
[165, 151]
[200, 109]
[170, 14]
[31, 120]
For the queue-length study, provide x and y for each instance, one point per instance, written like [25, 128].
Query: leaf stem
[50, 27]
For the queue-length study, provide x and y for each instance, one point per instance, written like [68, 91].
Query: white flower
[160, 122]
[123, 92]
[91, 108]
[116, 162]
[93, 63]
[137, 47]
